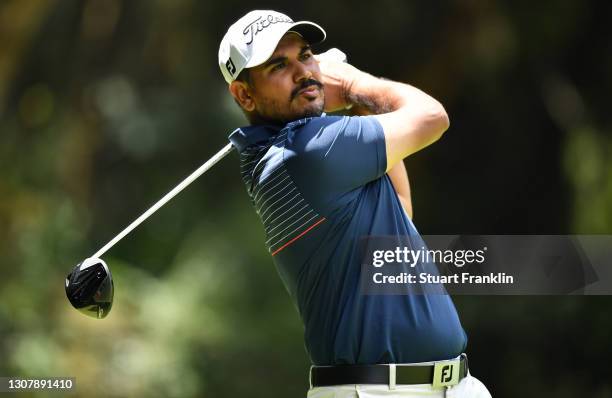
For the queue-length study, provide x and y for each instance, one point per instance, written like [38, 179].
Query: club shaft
[182, 185]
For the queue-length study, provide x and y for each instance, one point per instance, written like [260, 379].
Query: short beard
[256, 118]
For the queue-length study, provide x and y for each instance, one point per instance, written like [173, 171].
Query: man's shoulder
[317, 122]
[298, 133]
[320, 129]
[324, 131]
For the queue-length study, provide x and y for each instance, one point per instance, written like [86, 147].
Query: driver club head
[89, 287]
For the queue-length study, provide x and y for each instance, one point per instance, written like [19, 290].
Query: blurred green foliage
[107, 104]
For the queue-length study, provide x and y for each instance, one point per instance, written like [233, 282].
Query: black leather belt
[321, 376]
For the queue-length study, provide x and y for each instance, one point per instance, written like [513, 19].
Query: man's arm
[397, 174]
[411, 119]
[399, 178]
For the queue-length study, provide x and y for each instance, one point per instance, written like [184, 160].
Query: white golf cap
[252, 39]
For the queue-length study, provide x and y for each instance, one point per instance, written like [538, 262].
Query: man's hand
[338, 77]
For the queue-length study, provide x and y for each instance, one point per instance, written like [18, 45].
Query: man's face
[287, 86]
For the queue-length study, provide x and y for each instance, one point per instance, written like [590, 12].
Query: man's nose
[301, 72]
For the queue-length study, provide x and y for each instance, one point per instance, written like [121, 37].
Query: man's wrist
[365, 104]
[365, 94]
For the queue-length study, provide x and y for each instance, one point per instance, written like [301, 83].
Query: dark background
[107, 104]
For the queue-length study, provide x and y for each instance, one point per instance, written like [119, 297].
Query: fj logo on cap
[231, 68]
[260, 24]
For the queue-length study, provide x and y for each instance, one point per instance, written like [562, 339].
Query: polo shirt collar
[246, 136]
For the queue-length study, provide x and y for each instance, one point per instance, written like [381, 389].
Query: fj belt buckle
[446, 373]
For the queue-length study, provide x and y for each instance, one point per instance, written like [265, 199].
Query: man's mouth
[310, 91]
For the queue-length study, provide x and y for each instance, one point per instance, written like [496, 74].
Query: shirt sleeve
[329, 157]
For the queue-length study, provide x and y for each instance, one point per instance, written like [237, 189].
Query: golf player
[319, 184]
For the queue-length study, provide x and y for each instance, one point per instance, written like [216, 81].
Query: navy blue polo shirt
[319, 185]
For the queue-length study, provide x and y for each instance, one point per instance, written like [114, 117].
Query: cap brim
[310, 31]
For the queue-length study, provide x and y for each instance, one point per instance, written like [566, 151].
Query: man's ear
[242, 94]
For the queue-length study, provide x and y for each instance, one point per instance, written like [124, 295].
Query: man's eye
[306, 56]
[278, 66]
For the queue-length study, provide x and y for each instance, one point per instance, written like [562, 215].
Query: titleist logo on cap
[261, 23]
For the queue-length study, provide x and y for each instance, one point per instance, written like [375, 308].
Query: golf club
[89, 286]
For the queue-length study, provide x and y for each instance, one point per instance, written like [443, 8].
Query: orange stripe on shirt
[298, 237]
